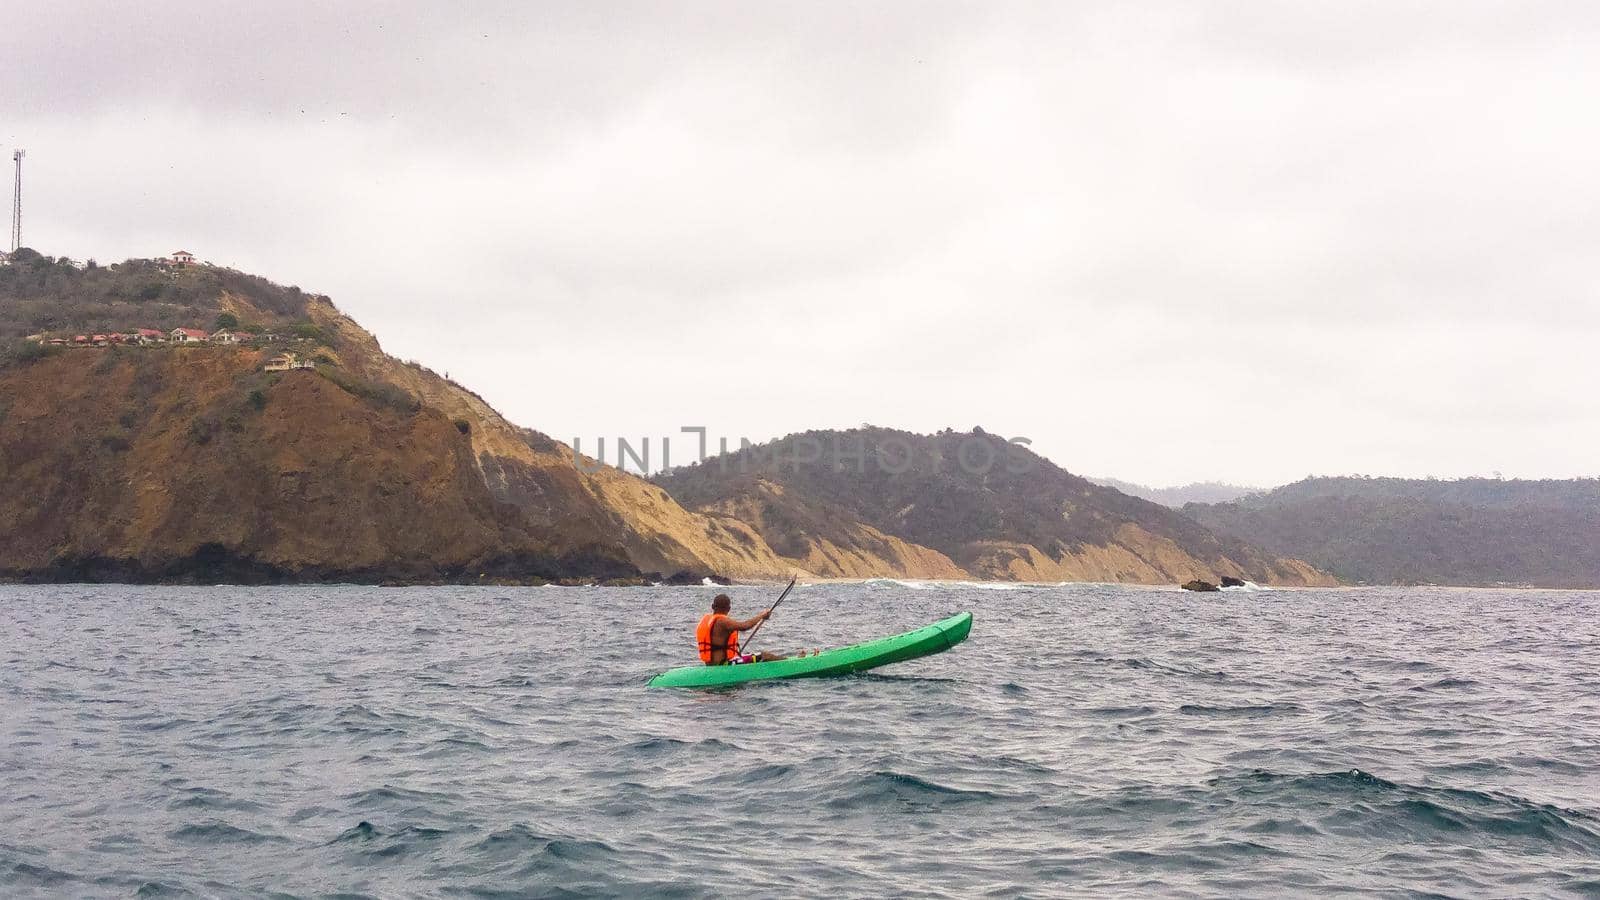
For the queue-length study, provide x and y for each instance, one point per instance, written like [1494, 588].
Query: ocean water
[1087, 740]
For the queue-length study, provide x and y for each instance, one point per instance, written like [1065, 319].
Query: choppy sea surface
[1087, 739]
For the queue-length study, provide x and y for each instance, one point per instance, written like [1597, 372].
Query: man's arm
[751, 622]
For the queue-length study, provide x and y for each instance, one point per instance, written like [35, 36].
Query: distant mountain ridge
[1176, 497]
[879, 502]
[1473, 531]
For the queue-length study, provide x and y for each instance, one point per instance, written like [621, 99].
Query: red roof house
[187, 335]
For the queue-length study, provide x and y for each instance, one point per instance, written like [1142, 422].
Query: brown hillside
[143, 464]
[882, 502]
[163, 462]
[539, 477]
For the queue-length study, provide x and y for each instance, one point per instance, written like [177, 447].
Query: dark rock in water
[1230, 581]
[1198, 585]
[686, 578]
[630, 581]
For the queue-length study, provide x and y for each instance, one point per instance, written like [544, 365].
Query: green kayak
[936, 638]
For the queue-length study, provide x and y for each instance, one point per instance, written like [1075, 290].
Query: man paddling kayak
[935, 638]
[718, 636]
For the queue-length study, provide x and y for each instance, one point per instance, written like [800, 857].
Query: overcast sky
[1164, 241]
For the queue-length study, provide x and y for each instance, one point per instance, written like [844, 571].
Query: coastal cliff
[167, 421]
[161, 461]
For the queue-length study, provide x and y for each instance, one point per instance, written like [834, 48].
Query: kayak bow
[935, 638]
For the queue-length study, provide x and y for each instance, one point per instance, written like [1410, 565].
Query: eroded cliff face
[191, 463]
[174, 463]
[541, 478]
[1135, 556]
[829, 543]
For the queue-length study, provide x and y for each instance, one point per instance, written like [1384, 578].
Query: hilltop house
[187, 335]
[286, 361]
[182, 258]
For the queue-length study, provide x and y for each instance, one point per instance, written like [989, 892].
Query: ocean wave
[1121, 712]
[168, 889]
[361, 831]
[210, 798]
[390, 797]
[574, 859]
[1139, 662]
[219, 833]
[900, 790]
[933, 585]
[767, 774]
[1445, 684]
[35, 875]
[1367, 804]
[898, 582]
[455, 746]
[1242, 711]
[657, 746]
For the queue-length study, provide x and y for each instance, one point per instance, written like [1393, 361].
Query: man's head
[721, 604]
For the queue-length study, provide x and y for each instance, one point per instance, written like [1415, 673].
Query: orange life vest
[702, 634]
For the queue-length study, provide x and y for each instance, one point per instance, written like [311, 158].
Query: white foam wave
[944, 585]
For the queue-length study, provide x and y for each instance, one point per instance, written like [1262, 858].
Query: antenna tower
[16, 203]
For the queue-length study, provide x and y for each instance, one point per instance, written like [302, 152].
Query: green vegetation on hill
[1474, 531]
[39, 294]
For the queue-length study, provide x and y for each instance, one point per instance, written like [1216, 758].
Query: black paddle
[752, 635]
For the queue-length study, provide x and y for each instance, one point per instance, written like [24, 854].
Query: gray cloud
[1357, 233]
